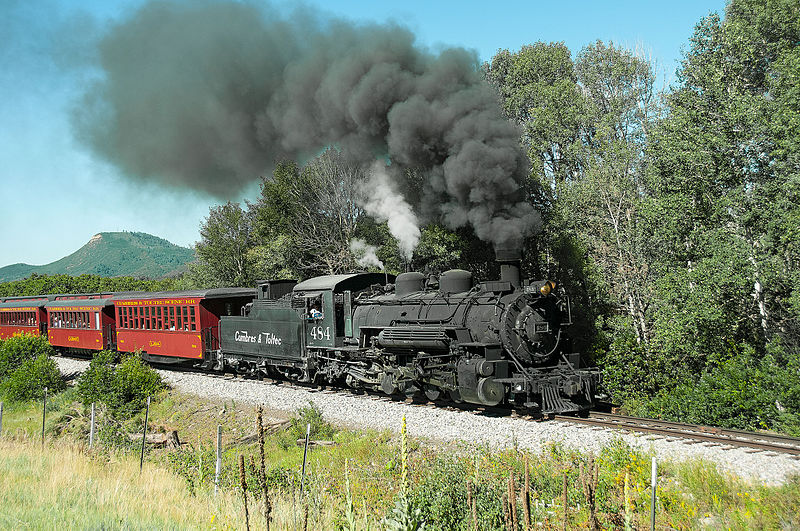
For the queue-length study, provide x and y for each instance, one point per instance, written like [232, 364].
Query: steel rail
[708, 434]
[775, 438]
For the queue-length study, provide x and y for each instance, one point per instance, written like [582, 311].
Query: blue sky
[57, 194]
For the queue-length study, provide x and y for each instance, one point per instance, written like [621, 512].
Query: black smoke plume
[210, 94]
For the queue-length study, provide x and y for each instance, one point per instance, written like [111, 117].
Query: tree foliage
[675, 226]
[37, 284]
[727, 185]
[318, 209]
[26, 368]
[302, 225]
[585, 126]
[15, 350]
[226, 236]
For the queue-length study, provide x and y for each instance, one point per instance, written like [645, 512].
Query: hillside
[111, 254]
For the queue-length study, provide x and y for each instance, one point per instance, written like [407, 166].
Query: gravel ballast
[449, 426]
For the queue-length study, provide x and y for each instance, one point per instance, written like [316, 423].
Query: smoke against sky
[209, 95]
[50, 56]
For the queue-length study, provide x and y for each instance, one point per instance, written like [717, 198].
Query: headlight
[547, 287]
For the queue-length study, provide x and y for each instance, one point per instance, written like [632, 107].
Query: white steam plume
[384, 203]
[365, 253]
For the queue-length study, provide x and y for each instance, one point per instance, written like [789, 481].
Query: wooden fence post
[44, 413]
[144, 435]
[218, 465]
[91, 428]
[305, 456]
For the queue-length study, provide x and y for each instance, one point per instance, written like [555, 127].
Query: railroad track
[757, 441]
[687, 433]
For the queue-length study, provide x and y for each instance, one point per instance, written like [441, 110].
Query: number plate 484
[318, 333]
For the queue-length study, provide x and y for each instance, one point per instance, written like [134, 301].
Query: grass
[64, 486]
[67, 485]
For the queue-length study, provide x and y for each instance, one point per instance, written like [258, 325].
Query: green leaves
[26, 368]
[16, 350]
[226, 237]
[30, 379]
[124, 388]
[47, 284]
[675, 228]
[738, 391]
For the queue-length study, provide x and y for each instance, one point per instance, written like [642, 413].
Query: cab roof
[351, 282]
[23, 304]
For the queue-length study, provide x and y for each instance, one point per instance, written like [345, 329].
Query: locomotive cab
[325, 305]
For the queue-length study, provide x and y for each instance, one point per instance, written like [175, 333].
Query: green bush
[441, 495]
[29, 379]
[740, 391]
[123, 388]
[15, 350]
[98, 380]
[311, 414]
[134, 381]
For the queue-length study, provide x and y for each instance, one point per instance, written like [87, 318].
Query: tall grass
[63, 486]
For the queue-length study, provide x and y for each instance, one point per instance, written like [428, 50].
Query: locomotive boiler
[491, 343]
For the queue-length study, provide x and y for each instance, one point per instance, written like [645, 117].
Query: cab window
[314, 308]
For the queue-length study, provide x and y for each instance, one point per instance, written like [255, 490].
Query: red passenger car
[22, 315]
[175, 326]
[86, 324]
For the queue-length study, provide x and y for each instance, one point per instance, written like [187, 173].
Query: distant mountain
[113, 254]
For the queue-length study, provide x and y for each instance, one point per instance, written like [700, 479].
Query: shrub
[124, 387]
[311, 414]
[15, 350]
[441, 494]
[29, 379]
[742, 391]
[98, 380]
[134, 381]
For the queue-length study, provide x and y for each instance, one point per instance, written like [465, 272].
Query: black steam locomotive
[497, 342]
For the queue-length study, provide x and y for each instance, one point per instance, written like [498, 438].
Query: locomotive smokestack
[509, 255]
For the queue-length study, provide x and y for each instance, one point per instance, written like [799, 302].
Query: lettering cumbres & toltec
[267, 338]
[243, 337]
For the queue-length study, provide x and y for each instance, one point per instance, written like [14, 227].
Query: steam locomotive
[497, 342]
